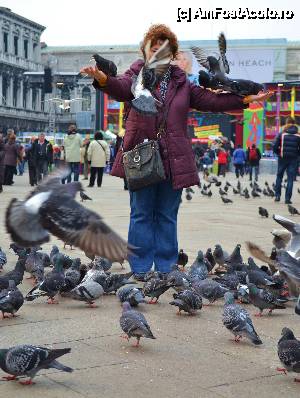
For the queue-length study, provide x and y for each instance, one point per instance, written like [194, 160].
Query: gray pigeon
[155, 287]
[178, 279]
[87, 291]
[134, 324]
[209, 289]
[113, 282]
[288, 350]
[220, 255]
[263, 299]
[103, 263]
[83, 196]
[188, 301]
[230, 280]
[28, 360]
[3, 259]
[16, 275]
[293, 245]
[132, 294]
[281, 238]
[11, 300]
[72, 276]
[34, 265]
[52, 283]
[238, 321]
[198, 269]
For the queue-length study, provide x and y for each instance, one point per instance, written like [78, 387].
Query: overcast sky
[124, 22]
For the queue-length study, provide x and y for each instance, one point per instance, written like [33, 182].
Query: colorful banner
[253, 127]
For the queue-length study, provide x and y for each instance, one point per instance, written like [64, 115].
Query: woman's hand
[260, 97]
[95, 73]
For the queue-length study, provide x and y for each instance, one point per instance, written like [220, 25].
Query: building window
[34, 98]
[15, 93]
[86, 96]
[16, 42]
[4, 89]
[5, 42]
[25, 89]
[34, 48]
[292, 77]
[43, 100]
[26, 49]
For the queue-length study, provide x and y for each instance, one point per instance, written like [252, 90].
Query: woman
[10, 159]
[98, 155]
[29, 153]
[154, 209]
[222, 162]
[239, 159]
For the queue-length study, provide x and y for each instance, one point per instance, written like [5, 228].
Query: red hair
[160, 32]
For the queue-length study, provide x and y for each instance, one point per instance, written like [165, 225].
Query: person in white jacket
[98, 155]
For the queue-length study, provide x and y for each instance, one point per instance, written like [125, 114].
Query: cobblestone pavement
[192, 356]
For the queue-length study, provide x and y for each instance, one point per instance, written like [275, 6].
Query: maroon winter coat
[2, 154]
[11, 153]
[176, 148]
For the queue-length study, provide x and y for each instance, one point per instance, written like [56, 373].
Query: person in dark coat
[239, 159]
[253, 159]
[2, 154]
[287, 148]
[11, 156]
[154, 209]
[43, 156]
[30, 157]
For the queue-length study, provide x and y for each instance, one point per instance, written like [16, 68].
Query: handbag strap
[100, 145]
[163, 124]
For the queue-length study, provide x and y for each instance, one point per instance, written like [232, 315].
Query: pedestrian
[2, 167]
[154, 208]
[287, 148]
[21, 160]
[253, 157]
[10, 159]
[85, 147]
[222, 162]
[29, 155]
[56, 155]
[239, 159]
[43, 156]
[98, 156]
[72, 144]
[207, 162]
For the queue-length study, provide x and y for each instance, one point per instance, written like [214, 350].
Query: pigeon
[259, 278]
[235, 259]
[226, 189]
[87, 291]
[132, 294]
[16, 275]
[210, 258]
[103, 263]
[255, 194]
[292, 210]
[188, 196]
[289, 266]
[105, 65]
[51, 208]
[263, 299]
[230, 280]
[155, 287]
[198, 269]
[3, 259]
[11, 300]
[179, 280]
[293, 245]
[221, 192]
[263, 212]
[209, 289]
[209, 194]
[34, 265]
[288, 350]
[247, 196]
[18, 249]
[182, 259]
[235, 191]
[148, 78]
[28, 360]
[83, 196]
[52, 283]
[243, 294]
[226, 200]
[134, 324]
[220, 255]
[72, 276]
[188, 301]
[215, 77]
[281, 238]
[238, 321]
[189, 190]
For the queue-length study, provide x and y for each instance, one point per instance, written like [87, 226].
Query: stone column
[20, 96]
[1, 100]
[29, 98]
[10, 91]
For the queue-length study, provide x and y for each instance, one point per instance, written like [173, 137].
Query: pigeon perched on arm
[215, 77]
[28, 360]
[51, 208]
[134, 324]
[238, 321]
[288, 350]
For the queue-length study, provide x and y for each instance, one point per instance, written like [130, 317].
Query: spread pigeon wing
[222, 49]
[200, 56]
[81, 227]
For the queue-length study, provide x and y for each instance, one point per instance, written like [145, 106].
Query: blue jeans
[290, 166]
[21, 167]
[256, 170]
[74, 168]
[153, 227]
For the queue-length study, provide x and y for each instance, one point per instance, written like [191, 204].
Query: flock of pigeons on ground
[52, 209]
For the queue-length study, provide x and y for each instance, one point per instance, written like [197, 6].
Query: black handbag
[143, 165]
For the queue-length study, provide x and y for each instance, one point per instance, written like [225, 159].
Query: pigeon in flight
[52, 208]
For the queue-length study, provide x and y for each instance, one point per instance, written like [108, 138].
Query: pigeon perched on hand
[188, 301]
[134, 324]
[105, 65]
[28, 360]
[263, 212]
[215, 77]
[288, 350]
[238, 321]
[51, 208]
